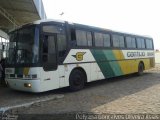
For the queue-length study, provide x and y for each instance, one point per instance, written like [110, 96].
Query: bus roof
[84, 26]
[108, 30]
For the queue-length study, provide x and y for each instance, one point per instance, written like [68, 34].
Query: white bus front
[31, 63]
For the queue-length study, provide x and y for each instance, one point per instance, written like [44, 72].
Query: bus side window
[98, 39]
[130, 42]
[102, 40]
[118, 41]
[149, 44]
[48, 48]
[51, 49]
[73, 37]
[45, 44]
[83, 38]
[140, 43]
[107, 41]
[61, 44]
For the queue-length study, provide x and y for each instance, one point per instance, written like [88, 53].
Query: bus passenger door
[61, 46]
[49, 60]
[49, 56]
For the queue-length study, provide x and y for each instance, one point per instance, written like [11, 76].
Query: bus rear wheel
[140, 69]
[76, 80]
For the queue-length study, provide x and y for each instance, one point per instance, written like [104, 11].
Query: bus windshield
[23, 46]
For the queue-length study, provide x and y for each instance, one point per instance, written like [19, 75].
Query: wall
[3, 44]
[157, 57]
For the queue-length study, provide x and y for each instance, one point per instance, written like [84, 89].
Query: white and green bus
[48, 54]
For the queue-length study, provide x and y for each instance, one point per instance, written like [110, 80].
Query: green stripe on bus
[114, 64]
[108, 68]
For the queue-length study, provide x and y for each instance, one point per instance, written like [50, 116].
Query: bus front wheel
[76, 80]
[140, 69]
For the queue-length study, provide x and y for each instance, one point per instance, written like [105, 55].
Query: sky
[140, 17]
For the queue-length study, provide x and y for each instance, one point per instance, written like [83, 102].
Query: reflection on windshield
[23, 46]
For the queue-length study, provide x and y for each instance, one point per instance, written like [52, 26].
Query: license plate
[9, 70]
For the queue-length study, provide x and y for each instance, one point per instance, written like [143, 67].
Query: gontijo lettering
[150, 53]
[135, 54]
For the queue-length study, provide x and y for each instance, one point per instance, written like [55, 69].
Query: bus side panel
[96, 73]
[127, 66]
[118, 62]
[131, 66]
[107, 62]
[146, 63]
[70, 67]
[152, 62]
[61, 72]
[82, 58]
[49, 80]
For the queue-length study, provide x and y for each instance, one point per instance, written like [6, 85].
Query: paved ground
[131, 94]
[9, 97]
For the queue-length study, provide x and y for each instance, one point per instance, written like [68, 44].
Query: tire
[140, 69]
[76, 80]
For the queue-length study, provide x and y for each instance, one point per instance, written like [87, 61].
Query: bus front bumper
[24, 85]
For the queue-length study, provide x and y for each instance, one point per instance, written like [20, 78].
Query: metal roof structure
[14, 13]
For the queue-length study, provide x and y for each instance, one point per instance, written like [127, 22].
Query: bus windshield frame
[24, 47]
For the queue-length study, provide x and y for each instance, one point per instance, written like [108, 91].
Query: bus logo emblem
[79, 56]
